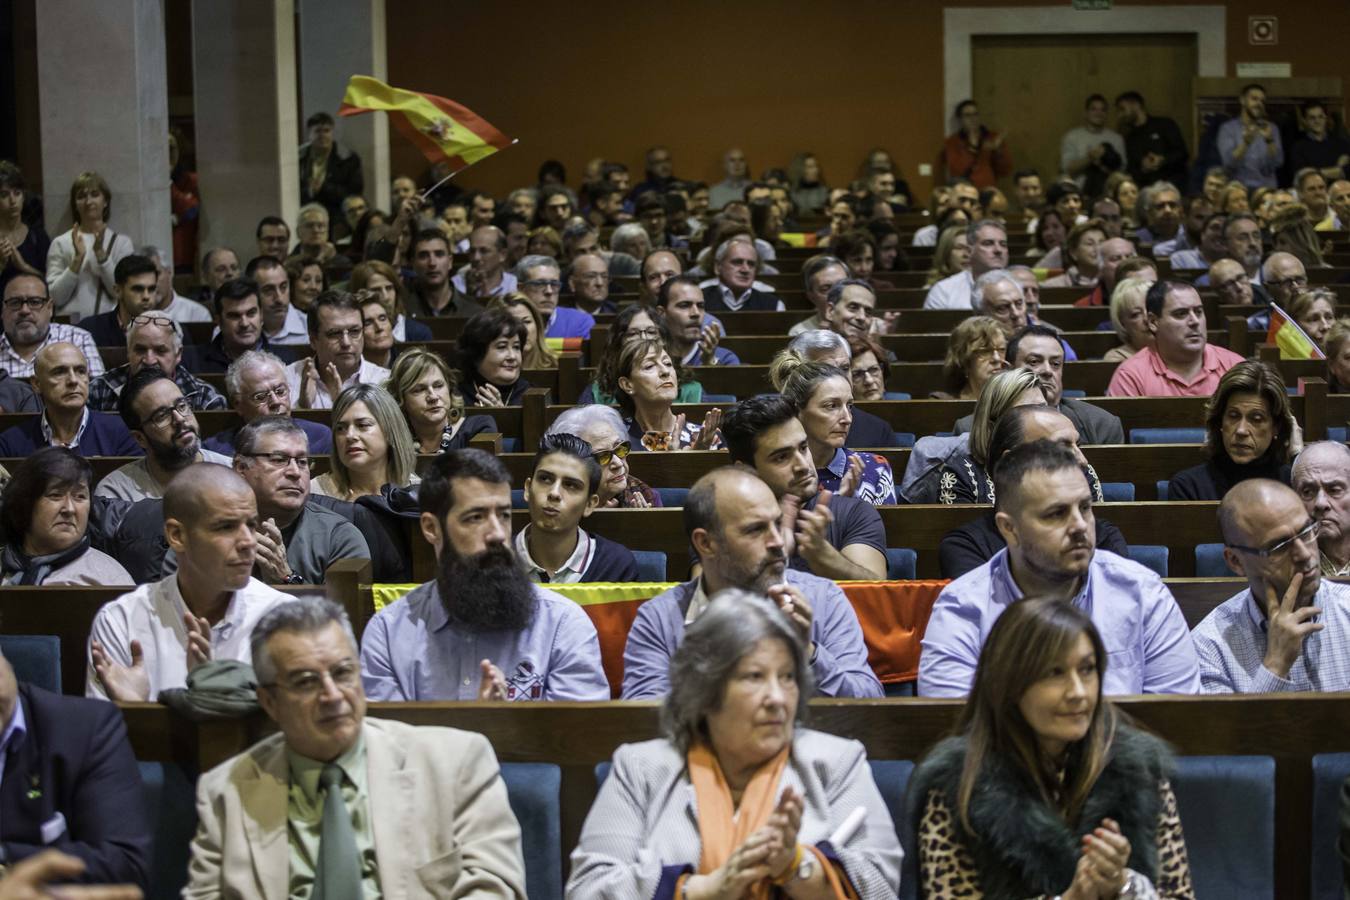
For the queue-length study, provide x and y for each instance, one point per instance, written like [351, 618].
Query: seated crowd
[420, 335]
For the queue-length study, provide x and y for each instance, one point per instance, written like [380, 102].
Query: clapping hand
[493, 683]
[797, 608]
[309, 383]
[1106, 852]
[271, 557]
[199, 640]
[77, 241]
[708, 340]
[488, 395]
[848, 485]
[707, 434]
[747, 864]
[784, 823]
[101, 248]
[128, 684]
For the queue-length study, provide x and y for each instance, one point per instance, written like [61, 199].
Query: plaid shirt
[103, 390]
[18, 367]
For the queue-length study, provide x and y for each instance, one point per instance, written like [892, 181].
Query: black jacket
[1211, 480]
[342, 179]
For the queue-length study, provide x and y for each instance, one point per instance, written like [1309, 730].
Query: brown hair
[539, 356]
[90, 180]
[1251, 377]
[969, 337]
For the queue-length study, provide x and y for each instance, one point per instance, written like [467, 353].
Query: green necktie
[338, 874]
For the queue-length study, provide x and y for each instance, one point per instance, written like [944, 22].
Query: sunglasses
[604, 457]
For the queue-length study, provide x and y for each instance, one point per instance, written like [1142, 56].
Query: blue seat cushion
[36, 659]
[534, 793]
[1118, 491]
[651, 565]
[1329, 772]
[672, 496]
[1150, 555]
[1167, 435]
[1209, 562]
[900, 564]
[170, 800]
[1227, 806]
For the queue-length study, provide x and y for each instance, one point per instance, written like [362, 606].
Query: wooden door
[1032, 87]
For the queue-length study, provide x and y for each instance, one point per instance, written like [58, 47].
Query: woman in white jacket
[81, 261]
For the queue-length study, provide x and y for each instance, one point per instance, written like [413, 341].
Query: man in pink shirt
[1181, 363]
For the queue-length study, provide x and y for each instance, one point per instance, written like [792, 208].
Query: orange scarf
[721, 831]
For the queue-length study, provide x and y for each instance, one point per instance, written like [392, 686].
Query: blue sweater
[104, 435]
[610, 562]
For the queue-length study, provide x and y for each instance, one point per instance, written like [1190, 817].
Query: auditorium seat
[1329, 772]
[1164, 488]
[672, 496]
[36, 659]
[719, 398]
[534, 792]
[895, 395]
[1167, 435]
[518, 499]
[892, 778]
[903, 438]
[651, 565]
[1150, 555]
[1336, 433]
[1209, 562]
[901, 564]
[1227, 806]
[170, 801]
[1118, 491]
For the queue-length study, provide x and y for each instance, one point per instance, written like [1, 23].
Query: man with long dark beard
[482, 630]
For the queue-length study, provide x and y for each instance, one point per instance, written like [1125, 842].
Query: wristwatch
[294, 578]
[805, 869]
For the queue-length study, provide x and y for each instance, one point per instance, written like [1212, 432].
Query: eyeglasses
[548, 284]
[1308, 533]
[281, 392]
[149, 319]
[14, 304]
[1295, 280]
[868, 374]
[1233, 283]
[310, 684]
[282, 460]
[621, 450]
[160, 417]
[643, 334]
[337, 334]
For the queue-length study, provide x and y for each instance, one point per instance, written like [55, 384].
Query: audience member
[973, 151]
[645, 386]
[44, 518]
[382, 280]
[589, 281]
[28, 327]
[238, 316]
[1250, 432]
[1038, 742]
[490, 349]
[1001, 298]
[219, 265]
[1129, 318]
[1282, 278]
[1337, 346]
[425, 388]
[820, 274]
[24, 246]
[1083, 253]
[481, 630]
[386, 776]
[81, 261]
[1091, 151]
[988, 243]
[733, 186]
[1044, 511]
[377, 329]
[830, 347]
[976, 352]
[835, 537]
[1269, 638]
[1181, 362]
[951, 256]
[1249, 143]
[308, 281]
[136, 280]
[149, 640]
[658, 267]
[62, 382]
[486, 275]
[433, 293]
[966, 474]
[256, 385]
[329, 172]
[1321, 477]
[1154, 147]
[694, 339]
[335, 333]
[1212, 246]
[161, 421]
[561, 490]
[869, 369]
[153, 339]
[535, 354]
[738, 265]
[273, 237]
[282, 323]
[540, 280]
[738, 687]
[1320, 144]
[733, 523]
[603, 428]
[372, 446]
[297, 540]
[1161, 203]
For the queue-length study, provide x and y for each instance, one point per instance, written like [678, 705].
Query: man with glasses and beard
[160, 419]
[481, 630]
[28, 327]
[735, 525]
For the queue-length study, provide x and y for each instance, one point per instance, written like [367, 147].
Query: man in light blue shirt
[1044, 512]
[1249, 144]
[1290, 630]
[481, 630]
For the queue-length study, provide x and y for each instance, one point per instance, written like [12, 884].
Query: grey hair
[1154, 188]
[837, 292]
[242, 363]
[626, 235]
[811, 343]
[305, 614]
[312, 207]
[151, 251]
[247, 439]
[584, 418]
[993, 277]
[173, 326]
[725, 247]
[534, 261]
[734, 622]
[973, 229]
[520, 192]
[1344, 453]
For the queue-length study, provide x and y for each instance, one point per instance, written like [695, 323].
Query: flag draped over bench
[893, 615]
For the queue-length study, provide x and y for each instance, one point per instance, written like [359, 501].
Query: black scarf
[1024, 848]
[35, 569]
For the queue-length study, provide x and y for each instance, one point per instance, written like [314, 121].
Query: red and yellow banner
[442, 129]
[1292, 340]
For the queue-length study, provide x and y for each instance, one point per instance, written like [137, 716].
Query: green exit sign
[1091, 4]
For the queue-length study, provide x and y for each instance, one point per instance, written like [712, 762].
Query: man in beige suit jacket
[438, 821]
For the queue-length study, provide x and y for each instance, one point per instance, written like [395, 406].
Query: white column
[243, 74]
[103, 96]
[339, 39]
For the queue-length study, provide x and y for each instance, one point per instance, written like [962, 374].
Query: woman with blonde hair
[81, 261]
[1315, 312]
[1129, 318]
[823, 394]
[372, 445]
[308, 281]
[975, 353]
[424, 387]
[1046, 789]
[645, 385]
[535, 352]
[967, 477]
[951, 255]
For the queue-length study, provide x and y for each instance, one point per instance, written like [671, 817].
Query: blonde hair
[1336, 338]
[1303, 301]
[997, 397]
[539, 356]
[90, 180]
[943, 251]
[969, 337]
[1126, 291]
[796, 377]
[401, 460]
[408, 369]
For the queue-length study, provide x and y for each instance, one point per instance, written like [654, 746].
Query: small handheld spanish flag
[1293, 341]
[442, 129]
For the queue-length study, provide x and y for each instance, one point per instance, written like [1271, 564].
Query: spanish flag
[442, 129]
[1293, 342]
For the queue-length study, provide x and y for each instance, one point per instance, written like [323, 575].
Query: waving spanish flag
[1293, 341]
[442, 129]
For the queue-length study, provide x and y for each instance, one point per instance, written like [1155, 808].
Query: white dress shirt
[153, 615]
[953, 292]
[294, 331]
[369, 373]
[181, 309]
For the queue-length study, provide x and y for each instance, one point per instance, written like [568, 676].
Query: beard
[487, 591]
[173, 457]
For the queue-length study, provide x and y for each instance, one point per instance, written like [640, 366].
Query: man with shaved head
[61, 378]
[149, 640]
[734, 524]
[1290, 629]
[1321, 478]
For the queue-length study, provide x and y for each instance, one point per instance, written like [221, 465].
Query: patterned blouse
[963, 480]
[877, 485]
[659, 441]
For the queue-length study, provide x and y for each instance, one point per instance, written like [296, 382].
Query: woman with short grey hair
[602, 427]
[736, 798]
